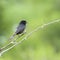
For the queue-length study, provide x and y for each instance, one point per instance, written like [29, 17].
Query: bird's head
[23, 22]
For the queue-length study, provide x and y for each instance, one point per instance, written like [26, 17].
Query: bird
[20, 29]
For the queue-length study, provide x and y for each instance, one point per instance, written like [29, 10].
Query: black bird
[20, 29]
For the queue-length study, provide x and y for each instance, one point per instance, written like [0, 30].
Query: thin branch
[12, 41]
[29, 34]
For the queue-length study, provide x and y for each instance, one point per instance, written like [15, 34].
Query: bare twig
[29, 34]
[13, 41]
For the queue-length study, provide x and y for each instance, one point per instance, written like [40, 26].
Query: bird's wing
[20, 28]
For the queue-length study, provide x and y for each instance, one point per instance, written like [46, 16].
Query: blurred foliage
[41, 45]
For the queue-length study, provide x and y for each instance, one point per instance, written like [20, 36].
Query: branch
[29, 34]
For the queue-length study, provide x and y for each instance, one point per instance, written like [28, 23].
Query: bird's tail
[12, 37]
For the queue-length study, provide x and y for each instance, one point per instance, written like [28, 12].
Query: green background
[41, 45]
